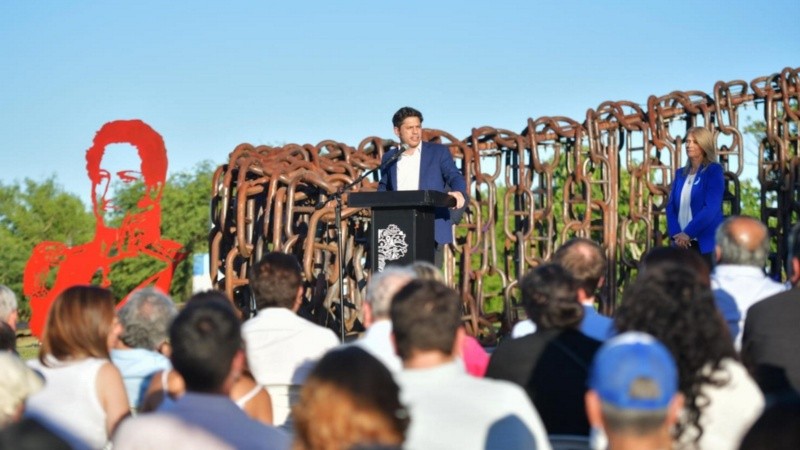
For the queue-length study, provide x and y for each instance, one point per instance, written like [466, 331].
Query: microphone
[397, 154]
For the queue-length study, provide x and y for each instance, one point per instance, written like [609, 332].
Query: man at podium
[423, 166]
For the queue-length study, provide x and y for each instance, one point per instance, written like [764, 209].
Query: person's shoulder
[434, 146]
[785, 302]
[503, 391]
[106, 370]
[323, 335]
[714, 168]
[163, 429]
[576, 336]
[512, 346]
[251, 433]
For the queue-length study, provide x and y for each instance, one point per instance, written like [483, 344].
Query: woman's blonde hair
[705, 139]
[78, 324]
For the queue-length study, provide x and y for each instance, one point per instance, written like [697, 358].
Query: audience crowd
[692, 358]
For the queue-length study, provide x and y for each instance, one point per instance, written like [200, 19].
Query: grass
[27, 347]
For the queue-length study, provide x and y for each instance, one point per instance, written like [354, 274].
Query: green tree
[750, 198]
[32, 213]
[184, 219]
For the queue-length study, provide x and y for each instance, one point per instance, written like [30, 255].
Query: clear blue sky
[210, 75]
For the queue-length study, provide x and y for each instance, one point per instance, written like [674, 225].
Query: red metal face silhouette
[138, 235]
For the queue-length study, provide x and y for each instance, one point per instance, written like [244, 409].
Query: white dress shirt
[408, 170]
[282, 349]
[747, 285]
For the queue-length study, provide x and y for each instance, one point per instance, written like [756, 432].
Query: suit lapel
[425, 165]
[393, 175]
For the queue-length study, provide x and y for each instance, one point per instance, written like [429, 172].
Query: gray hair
[146, 318]
[631, 421]
[635, 421]
[733, 252]
[8, 302]
[382, 287]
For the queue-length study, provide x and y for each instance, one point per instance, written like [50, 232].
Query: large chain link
[606, 178]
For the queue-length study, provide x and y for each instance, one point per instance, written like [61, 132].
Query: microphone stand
[338, 217]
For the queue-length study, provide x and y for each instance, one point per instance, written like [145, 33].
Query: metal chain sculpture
[606, 178]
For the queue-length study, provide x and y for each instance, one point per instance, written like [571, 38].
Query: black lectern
[402, 224]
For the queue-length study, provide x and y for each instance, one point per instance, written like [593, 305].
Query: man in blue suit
[423, 166]
[585, 260]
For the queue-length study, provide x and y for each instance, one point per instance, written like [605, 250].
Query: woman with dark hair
[670, 302]
[350, 400]
[726, 305]
[552, 364]
[694, 207]
[83, 393]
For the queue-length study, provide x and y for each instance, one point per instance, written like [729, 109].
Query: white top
[69, 398]
[378, 342]
[408, 170]
[137, 366]
[685, 209]
[453, 410]
[747, 285]
[282, 348]
[732, 409]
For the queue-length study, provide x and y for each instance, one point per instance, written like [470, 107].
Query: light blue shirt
[137, 366]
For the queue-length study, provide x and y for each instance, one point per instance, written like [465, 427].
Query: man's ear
[601, 282]
[367, 314]
[458, 342]
[593, 409]
[674, 409]
[238, 364]
[795, 271]
[298, 299]
[397, 131]
[717, 253]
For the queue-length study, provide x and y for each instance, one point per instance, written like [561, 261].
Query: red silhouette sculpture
[55, 266]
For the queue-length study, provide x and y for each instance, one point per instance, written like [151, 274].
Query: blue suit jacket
[596, 325]
[437, 172]
[706, 205]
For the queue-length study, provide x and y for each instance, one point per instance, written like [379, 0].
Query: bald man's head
[743, 241]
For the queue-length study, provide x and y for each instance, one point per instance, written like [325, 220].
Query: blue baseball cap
[628, 357]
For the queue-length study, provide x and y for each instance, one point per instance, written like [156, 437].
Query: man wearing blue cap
[633, 393]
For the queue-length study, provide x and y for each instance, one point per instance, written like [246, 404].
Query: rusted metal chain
[606, 177]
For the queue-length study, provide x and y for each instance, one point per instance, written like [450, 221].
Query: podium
[402, 224]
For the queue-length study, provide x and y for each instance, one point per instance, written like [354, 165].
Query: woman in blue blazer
[694, 208]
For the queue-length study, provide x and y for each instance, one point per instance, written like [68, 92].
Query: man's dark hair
[275, 280]
[585, 261]
[425, 316]
[792, 248]
[404, 113]
[8, 337]
[205, 337]
[658, 256]
[550, 297]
